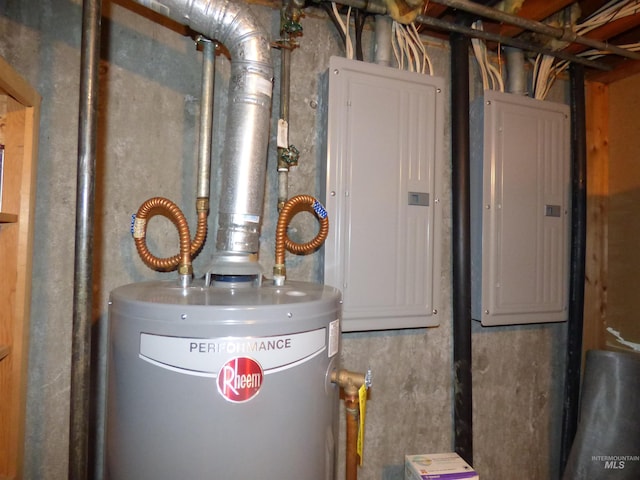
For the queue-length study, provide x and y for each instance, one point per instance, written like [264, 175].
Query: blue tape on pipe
[133, 221]
[319, 209]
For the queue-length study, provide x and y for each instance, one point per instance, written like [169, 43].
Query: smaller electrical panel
[384, 166]
[520, 209]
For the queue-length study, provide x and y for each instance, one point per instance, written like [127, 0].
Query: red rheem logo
[240, 379]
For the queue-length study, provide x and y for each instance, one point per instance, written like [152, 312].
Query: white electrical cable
[426, 60]
[477, 51]
[349, 43]
[545, 73]
[497, 81]
[544, 78]
[397, 29]
[534, 74]
[408, 49]
[348, 46]
[559, 68]
[491, 76]
[548, 78]
[593, 54]
[404, 47]
[613, 12]
[412, 51]
[476, 43]
[395, 46]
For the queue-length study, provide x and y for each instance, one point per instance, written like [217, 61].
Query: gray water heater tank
[222, 383]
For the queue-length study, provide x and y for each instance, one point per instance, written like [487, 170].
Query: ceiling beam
[564, 34]
[434, 10]
[534, 10]
[607, 31]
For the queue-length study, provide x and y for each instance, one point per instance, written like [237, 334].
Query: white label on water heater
[334, 337]
[206, 356]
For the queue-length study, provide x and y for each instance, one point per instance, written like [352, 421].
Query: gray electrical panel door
[520, 187]
[384, 163]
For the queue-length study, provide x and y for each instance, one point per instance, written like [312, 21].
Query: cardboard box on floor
[442, 466]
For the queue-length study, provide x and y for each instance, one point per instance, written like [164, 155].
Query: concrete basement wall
[149, 103]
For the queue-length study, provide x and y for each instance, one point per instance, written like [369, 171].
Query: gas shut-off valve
[355, 386]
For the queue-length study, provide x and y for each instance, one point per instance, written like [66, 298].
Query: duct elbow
[229, 22]
[247, 130]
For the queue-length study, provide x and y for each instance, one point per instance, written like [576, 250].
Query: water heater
[225, 378]
[226, 381]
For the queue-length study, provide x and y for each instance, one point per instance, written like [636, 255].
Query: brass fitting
[202, 204]
[185, 269]
[279, 274]
[351, 381]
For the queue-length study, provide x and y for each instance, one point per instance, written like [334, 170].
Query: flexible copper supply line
[188, 248]
[292, 207]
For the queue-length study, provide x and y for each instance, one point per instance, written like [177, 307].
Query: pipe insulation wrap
[249, 109]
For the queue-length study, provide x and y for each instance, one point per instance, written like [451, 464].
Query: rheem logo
[240, 379]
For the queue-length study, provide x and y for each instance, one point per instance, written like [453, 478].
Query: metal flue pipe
[83, 262]
[249, 108]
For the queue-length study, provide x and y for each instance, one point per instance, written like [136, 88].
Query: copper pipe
[292, 207]
[351, 405]
[188, 249]
[351, 383]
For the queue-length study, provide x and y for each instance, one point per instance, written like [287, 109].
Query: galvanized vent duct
[247, 131]
[516, 75]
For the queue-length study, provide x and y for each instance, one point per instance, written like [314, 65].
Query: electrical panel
[520, 209]
[385, 139]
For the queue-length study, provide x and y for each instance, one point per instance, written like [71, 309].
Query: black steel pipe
[438, 24]
[563, 34]
[508, 41]
[577, 272]
[83, 264]
[461, 247]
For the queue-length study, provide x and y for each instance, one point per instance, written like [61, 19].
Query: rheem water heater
[225, 378]
[222, 382]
